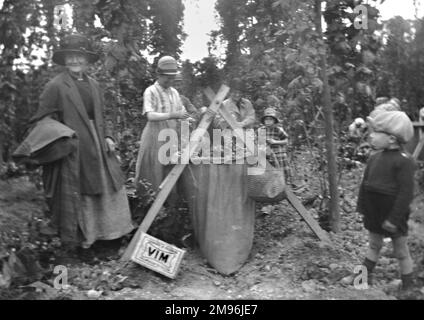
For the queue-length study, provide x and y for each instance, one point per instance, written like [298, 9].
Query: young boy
[276, 139]
[386, 191]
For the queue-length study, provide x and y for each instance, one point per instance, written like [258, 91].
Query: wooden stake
[329, 139]
[310, 221]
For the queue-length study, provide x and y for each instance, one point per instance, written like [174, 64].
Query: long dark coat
[61, 98]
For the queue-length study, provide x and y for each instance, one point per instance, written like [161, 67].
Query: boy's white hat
[395, 123]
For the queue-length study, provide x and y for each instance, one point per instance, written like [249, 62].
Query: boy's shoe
[407, 290]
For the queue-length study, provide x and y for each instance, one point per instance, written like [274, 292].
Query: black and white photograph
[211, 156]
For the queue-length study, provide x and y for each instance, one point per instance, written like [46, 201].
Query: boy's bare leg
[401, 251]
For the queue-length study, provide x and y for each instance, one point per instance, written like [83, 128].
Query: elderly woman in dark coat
[85, 190]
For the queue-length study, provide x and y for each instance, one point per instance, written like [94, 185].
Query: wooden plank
[226, 115]
[294, 201]
[420, 145]
[223, 111]
[137, 164]
[175, 173]
[418, 149]
[310, 221]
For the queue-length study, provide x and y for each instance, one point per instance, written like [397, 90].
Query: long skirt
[105, 216]
[152, 169]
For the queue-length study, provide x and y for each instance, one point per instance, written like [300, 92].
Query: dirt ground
[286, 262]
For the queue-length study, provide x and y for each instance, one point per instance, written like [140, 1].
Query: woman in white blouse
[164, 110]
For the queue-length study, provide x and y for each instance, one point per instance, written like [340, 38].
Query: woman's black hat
[74, 43]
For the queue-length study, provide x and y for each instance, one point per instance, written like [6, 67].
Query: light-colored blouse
[158, 99]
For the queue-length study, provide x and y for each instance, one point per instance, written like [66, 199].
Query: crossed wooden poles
[195, 140]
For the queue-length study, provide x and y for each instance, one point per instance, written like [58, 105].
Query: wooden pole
[328, 119]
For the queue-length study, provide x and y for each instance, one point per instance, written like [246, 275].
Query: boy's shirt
[390, 172]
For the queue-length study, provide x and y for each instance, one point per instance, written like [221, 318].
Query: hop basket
[267, 184]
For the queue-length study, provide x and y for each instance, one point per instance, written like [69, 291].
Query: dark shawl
[79, 173]
[61, 98]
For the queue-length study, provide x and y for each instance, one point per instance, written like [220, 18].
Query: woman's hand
[179, 115]
[111, 145]
[271, 141]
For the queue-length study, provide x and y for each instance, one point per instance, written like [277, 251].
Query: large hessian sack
[223, 214]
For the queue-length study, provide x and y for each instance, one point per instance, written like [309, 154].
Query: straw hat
[167, 65]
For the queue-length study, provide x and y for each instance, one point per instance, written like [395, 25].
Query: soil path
[286, 262]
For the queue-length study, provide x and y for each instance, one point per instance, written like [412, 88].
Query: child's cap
[396, 123]
[270, 112]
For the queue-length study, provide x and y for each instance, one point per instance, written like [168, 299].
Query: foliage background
[270, 44]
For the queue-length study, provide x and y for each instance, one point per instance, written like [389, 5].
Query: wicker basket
[268, 185]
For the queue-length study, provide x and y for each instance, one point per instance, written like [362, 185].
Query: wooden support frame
[171, 179]
[291, 197]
